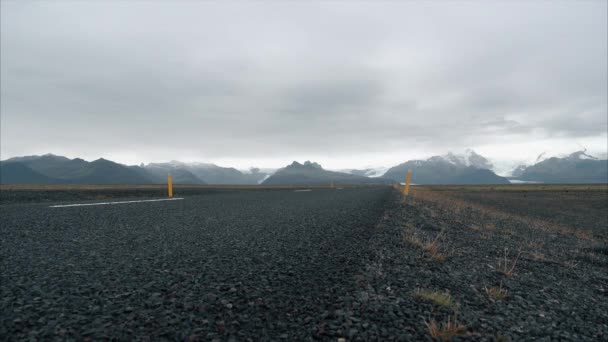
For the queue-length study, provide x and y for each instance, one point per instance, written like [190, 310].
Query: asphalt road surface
[260, 265]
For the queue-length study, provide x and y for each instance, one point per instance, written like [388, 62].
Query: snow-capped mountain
[368, 171]
[577, 167]
[467, 168]
[516, 167]
[459, 160]
[469, 158]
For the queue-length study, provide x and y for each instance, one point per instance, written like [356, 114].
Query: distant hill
[102, 171]
[578, 167]
[18, 173]
[211, 173]
[53, 166]
[449, 169]
[57, 169]
[179, 175]
[311, 173]
[50, 168]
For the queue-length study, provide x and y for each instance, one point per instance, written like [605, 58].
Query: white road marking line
[109, 203]
[302, 190]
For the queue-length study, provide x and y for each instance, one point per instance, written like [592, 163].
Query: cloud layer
[347, 84]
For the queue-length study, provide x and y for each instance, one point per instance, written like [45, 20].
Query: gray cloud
[342, 82]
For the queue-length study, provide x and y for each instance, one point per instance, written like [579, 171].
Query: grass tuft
[432, 247]
[497, 293]
[443, 299]
[507, 266]
[445, 331]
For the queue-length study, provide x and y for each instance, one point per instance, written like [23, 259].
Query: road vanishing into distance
[252, 265]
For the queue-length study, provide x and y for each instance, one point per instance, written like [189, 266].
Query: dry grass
[476, 227]
[535, 249]
[432, 247]
[506, 266]
[483, 227]
[443, 299]
[571, 264]
[410, 226]
[445, 331]
[496, 293]
[440, 195]
[514, 187]
[583, 235]
[508, 232]
[537, 256]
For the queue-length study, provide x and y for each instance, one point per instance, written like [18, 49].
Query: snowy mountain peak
[307, 164]
[180, 164]
[469, 158]
[518, 169]
[581, 155]
[367, 171]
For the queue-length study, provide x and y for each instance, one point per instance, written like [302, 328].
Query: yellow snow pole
[170, 185]
[408, 178]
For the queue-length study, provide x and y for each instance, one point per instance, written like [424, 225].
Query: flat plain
[461, 263]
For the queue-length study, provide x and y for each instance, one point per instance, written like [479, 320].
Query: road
[246, 266]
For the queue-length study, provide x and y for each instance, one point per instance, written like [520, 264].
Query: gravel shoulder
[508, 277]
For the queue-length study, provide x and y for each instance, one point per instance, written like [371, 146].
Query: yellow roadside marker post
[170, 185]
[408, 178]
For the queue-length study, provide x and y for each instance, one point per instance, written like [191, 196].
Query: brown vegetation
[443, 299]
[496, 293]
[506, 266]
[431, 246]
[446, 330]
[446, 198]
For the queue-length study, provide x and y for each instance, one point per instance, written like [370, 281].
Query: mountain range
[311, 173]
[49, 169]
[467, 168]
[204, 173]
[578, 167]
[470, 168]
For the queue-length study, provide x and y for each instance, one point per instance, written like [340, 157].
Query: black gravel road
[335, 265]
[229, 266]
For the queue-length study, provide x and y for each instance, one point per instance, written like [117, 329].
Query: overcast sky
[264, 83]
